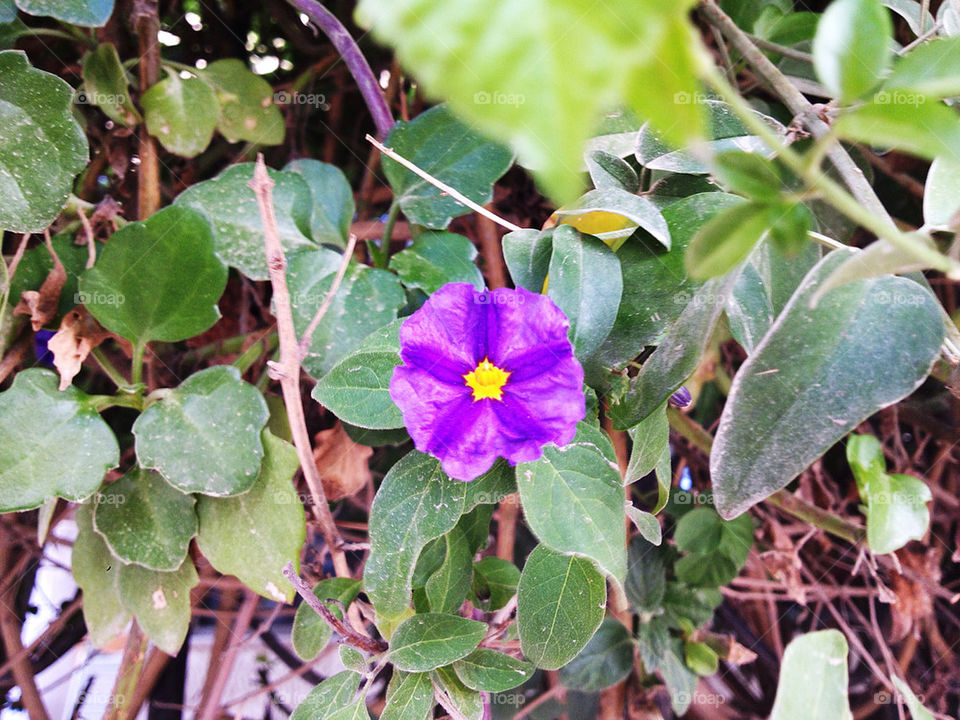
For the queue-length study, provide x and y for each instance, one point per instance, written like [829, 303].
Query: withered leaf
[79, 333]
[41, 305]
[341, 462]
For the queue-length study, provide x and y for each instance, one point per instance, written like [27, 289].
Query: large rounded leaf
[181, 113]
[852, 48]
[333, 204]
[54, 443]
[145, 520]
[88, 13]
[247, 111]
[816, 375]
[431, 640]
[158, 279]
[204, 436]
[230, 204]
[42, 147]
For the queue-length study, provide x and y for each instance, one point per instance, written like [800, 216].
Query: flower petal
[526, 322]
[447, 327]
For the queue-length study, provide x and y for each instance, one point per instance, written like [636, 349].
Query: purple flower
[681, 398]
[487, 375]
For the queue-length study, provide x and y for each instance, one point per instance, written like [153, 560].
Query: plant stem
[688, 428]
[136, 373]
[380, 254]
[109, 368]
[131, 664]
[102, 402]
[146, 21]
[354, 60]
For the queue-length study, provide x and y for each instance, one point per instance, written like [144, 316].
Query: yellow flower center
[486, 381]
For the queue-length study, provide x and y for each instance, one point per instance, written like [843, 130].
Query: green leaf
[447, 588]
[468, 702]
[560, 604]
[917, 710]
[646, 523]
[912, 12]
[254, 535]
[450, 151]
[635, 211]
[158, 279]
[409, 697]
[367, 300]
[764, 286]
[332, 695]
[649, 439]
[896, 505]
[55, 443]
[852, 49]
[748, 174]
[573, 501]
[105, 85]
[816, 375]
[357, 710]
[701, 658]
[8, 11]
[527, 254]
[181, 113]
[656, 288]
[653, 637]
[940, 202]
[246, 104]
[416, 503]
[145, 521]
[311, 633]
[611, 171]
[586, 284]
[726, 132]
[813, 678]
[333, 205]
[676, 357]
[931, 69]
[87, 13]
[435, 259]
[42, 148]
[647, 575]
[680, 680]
[357, 389]
[491, 671]
[430, 640]
[606, 660]
[494, 582]
[726, 240]
[231, 205]
[915, 124]
[352, 659]
[204, 436]
[879, 258]
[699, 530]
[520, 74]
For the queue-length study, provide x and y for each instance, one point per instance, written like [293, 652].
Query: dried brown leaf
[342, 463]
[913, 601]
[41, 305]
[79, 333]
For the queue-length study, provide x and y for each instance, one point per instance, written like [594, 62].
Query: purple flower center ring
[487, 375]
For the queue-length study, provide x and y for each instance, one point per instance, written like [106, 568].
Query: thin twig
[88, 232]
[211, 703]
[354, 60]
[455, 194]
[447, 704]
[324, 306]
[17, 255]
[128, 675]
[287, 370]
[350, 635]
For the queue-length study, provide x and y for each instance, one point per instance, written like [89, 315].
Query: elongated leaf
[55, 443]
[813, 678]
[649, 439]
[606, 660]
[158, 279]
[329, 697]
[636, 212]
[357, 389]
[527, 254]
[311, 633]
[611, 171]
[494, 582]
[647, 576]
[585, 282]
[367, 300]
[333, 205]
[409, 697]
[931, 69]
[453, 153]
[435, 259]
[573, 501]
[506, 73]
[492, 671]
[246, 104]
[254, 535]
[725, 241]
[230, 204]
[42, 148]
[816, 375]
[204, 436]
[560, 604]
[431, 640]
[145, 520]
[88, 13]
[852, 47]
[676, 357]
[917, 710]
[447, 588]
[468, 702]
[912, 12]
[940, 202]
[915, 124]
[105, 85]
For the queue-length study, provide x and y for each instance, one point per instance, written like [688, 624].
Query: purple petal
[445, 328]
[527, 322]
